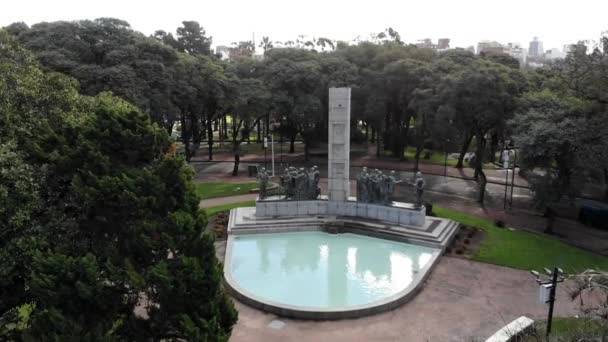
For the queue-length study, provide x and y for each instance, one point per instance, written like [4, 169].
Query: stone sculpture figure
[419, 184]
[375, 187]
[315, 176]
[362, 190]
[301, 184]
[263, 177]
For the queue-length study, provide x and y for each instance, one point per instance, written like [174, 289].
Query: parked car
[594, 215]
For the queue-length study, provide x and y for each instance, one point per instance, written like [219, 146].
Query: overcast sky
[555, 22]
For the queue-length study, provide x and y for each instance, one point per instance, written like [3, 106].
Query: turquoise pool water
[326, 271]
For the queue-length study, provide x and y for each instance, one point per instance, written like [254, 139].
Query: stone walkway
[212, 202]
[461, 301]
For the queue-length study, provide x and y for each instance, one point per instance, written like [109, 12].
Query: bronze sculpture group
[301, 184]
[373, 186]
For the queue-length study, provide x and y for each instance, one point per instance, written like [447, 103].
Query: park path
[213, 202]
[462, 300]
[568, 231]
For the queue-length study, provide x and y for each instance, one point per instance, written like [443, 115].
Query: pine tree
[110, 244]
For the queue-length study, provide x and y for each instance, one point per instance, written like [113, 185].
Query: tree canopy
[101, 237]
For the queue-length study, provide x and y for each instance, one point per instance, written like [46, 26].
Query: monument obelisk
[338, 165]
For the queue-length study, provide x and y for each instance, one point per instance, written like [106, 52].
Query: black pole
[513, 178]
[552, 299]
[265, 150]
[445, 162]
[506, 183]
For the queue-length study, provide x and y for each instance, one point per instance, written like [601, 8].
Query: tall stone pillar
[339, 144]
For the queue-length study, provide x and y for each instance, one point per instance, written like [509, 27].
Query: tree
[401, 80]
[551, 132]
[191, 39]
[251, 104]
[293, 79]
[100, 220]
[266, 44]
[482, 97]
[106, 55]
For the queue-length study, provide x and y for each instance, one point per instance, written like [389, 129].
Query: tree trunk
[185, 137]
[605, 184]
[366, 132]
[237, 160]
[385, 134]
[259, 131]
[373, 139]
[196, 133]
[403, 140]
[378, 143]
[306, 151]
[463, 150]
[493, 147]
[267, 126]
[482, 186]
[210, 138]
[292, 144]
[417, 157]
[225, 123]
[479, 174]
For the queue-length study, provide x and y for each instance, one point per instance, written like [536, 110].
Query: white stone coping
[435, 233]
[398, 212]
[512, 330]
[314, 313]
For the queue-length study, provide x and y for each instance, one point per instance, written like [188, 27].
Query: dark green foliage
[101, 235]
[106, 55]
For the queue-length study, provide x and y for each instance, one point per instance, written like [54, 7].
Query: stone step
[246, 223]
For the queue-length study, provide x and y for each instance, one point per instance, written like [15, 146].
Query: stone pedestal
[339, 144]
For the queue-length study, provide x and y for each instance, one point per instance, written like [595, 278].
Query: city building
[490, 46]
[443, 44]
[554, 53]
[233, 53]
[516, 51]
[535, 50]
[223, 51]
[426, 43]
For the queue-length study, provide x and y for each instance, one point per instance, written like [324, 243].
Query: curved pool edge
[299, 312]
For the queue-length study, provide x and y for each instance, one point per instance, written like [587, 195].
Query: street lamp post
[555, 277]
[445, 164]
[265, 150]
[445, 159]
[505, 160]
[513, 178]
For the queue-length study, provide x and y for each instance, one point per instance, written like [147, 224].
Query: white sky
[555, 22]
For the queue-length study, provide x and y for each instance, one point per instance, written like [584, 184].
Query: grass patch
[570, 329]
[211, 211]
[525, 250]
[437, 158]
[213, 190]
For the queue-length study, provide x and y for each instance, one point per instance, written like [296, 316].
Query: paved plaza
[461, 301]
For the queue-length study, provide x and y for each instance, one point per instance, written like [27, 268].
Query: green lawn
[212, 190]
[436, 157]
[211, 211]
[524, 250]
[571, 329]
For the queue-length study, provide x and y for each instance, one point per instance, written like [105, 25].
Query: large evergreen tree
[101, 235]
